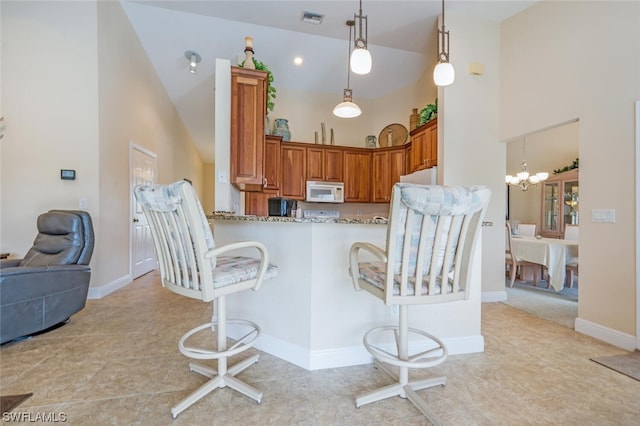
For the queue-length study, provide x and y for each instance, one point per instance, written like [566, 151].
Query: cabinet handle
[264, 182]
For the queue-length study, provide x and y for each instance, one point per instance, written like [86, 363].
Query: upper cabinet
[248, 112]
[424, 147]
[272, 163]
[560, 203]
[388, 165]
[357, 175]
[294, 170]
[324, 164]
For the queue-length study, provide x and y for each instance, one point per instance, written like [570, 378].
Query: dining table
[553, 253]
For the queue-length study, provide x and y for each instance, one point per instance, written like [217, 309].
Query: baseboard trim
[494, 296]
[344, 356]
[613, 337]
[108, 288]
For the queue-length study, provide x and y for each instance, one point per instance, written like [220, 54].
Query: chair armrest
[264, 256]
[353, 259]
[24, 270]
[9, 263]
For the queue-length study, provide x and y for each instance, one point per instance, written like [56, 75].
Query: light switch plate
[603, 215]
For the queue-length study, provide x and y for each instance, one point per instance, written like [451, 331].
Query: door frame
[136, 147]
[637, 179]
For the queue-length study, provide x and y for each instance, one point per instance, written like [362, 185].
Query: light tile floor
[117, 363]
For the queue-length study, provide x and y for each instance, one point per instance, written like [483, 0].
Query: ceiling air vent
[312, 17]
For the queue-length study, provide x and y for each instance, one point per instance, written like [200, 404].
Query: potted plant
[429, 112]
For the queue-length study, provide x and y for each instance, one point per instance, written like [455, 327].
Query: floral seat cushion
[233, 269]
[374, 274]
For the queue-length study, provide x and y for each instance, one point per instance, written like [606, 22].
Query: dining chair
[431, 240]
[192, 266]
[571, 232]
[527, 229]
[517, 265]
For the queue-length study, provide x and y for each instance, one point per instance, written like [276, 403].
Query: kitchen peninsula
[310, 314]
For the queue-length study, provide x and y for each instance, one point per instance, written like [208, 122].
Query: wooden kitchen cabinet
[248, 112]
[424, 146]
[324, 164]
[560, 203]
[357, 175]
[388, 165]
[272, 162]
[257, 202]
[294, 170]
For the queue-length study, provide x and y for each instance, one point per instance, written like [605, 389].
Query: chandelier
[523, 178]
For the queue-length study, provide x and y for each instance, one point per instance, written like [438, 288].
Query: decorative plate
[393, 135]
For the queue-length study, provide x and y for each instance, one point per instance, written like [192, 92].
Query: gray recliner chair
[51, 283]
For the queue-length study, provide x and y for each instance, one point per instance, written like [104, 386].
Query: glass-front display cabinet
[560, 203]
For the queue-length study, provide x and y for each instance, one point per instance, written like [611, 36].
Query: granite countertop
[253, 218]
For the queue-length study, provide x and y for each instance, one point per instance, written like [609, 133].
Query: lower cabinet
[357, 176]
[257, 203]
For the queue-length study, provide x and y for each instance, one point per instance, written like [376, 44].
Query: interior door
[143, 171]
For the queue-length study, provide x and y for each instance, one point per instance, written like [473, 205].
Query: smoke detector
[312, 17]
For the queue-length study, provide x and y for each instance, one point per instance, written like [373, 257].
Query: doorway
[547, 150]
[143, 172]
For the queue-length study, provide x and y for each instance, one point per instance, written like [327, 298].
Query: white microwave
[325, 192]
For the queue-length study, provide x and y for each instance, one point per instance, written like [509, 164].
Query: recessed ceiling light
[298, 61]
[312, 17]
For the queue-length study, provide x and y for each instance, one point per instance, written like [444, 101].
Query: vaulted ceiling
[401, 37]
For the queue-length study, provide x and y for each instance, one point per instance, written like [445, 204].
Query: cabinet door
[418, 142]
[257, 203]
[357, 173]
[432, 156]
[315, 164]
[324, 164]
[272, 160]
[396, 166]
[333, 168]
[381, 177]
[571, 203]
[248, 112]
[550, 209]
[294, 170]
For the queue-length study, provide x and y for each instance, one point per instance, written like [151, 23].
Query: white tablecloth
[550, 252]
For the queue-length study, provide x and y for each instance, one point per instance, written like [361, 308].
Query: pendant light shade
[444, 74]
[346, 108]
[360, 61]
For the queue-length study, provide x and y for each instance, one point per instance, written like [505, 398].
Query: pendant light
[360, 57]
[443, 74]
[346, 108]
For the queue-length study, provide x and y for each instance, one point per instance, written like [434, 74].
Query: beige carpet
[627, 364]
[556, 307]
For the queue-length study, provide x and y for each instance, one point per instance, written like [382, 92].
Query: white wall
[470, 151]
[562, 60]
[77, 88]
[49, 100]
[305, 111]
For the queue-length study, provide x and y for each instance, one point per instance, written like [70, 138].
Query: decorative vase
[371, 141]
[281, 128]
[267, 125]
[414, 119]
